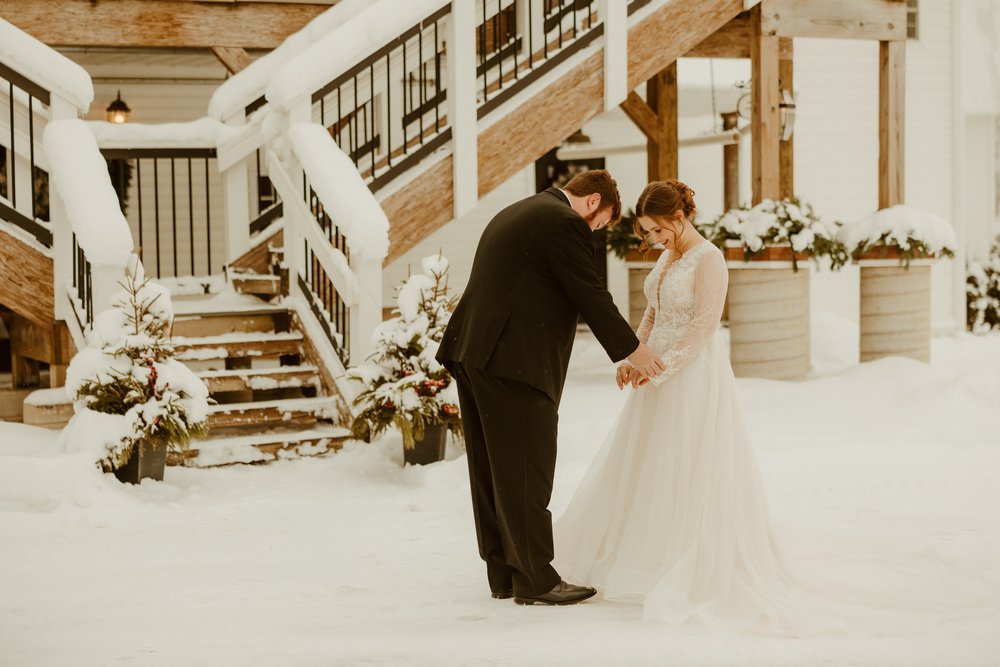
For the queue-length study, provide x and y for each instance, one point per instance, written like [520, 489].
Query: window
[911, 19]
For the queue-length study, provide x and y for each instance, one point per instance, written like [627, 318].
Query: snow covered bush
[404, 384]
[125, 385]
[902, 231]
[788, 222]
[982, 289]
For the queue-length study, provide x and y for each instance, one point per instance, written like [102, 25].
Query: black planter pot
[428, 450]
[148, 460]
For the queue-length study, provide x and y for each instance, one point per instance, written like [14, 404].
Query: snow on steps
[261, 379]
[260, 413]
[262, 448]
[263, 318]
[237, 344]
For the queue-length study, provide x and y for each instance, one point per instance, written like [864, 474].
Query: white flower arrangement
[900, 231]
[786, 222]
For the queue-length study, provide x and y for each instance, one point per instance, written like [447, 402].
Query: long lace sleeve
[711, 280]
[646, 325]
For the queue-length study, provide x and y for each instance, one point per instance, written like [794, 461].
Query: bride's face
[663, 231]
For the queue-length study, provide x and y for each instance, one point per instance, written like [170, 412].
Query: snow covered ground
[351, 559]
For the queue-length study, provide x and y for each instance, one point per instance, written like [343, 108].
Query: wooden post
[730, 166]
[661, 151]
[892, 103]
[786, 149]
[765, 119]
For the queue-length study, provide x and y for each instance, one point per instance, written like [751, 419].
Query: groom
[508, 346]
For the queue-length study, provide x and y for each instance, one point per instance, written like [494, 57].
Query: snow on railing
[45, 67]
[336, 237]
[93, 249]
[243, 93]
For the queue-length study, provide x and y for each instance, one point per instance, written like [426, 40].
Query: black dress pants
[510, 437]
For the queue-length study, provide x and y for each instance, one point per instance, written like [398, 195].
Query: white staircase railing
[55, 186]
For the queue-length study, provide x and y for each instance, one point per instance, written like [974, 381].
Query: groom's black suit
[508, 345]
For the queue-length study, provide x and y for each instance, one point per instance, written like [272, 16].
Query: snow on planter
[345, 197]
[80, 177]
[45, 66]
[909, 229]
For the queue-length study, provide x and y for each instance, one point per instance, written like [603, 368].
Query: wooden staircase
[274, 398]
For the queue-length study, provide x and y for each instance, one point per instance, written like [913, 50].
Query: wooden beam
[891, 123]
[730, 165]
[662, 151]
[730, 41]
[159, 23]
[672, 31]
[26, 281]
[235, 59]
[786, 149]
[640, 113]
[765, 116]
[883, 20]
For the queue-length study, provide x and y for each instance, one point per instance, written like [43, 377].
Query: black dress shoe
[503, 595]
[562, 594]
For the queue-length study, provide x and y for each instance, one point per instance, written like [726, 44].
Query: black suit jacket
[532, 278]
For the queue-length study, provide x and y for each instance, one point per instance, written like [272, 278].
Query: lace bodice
[685, 297]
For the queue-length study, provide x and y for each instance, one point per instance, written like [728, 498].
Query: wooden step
[264, 413]
[231, 321]
[48, 408]
[257, 284]
[238, 345]
[260, 379]
[262, 448]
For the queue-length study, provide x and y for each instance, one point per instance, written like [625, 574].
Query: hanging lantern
[118, 111]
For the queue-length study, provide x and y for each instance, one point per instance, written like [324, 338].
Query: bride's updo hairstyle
[660, 201]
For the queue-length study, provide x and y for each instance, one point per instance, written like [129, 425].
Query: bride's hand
[624, 375]
[638, 379]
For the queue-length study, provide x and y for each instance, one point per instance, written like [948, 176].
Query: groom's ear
[594, 201]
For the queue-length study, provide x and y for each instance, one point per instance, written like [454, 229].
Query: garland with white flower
[909, 232]
[982, 289]
[788, 222]
[125, 385]
[405, 386]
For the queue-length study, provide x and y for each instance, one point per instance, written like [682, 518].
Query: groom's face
[590, 210]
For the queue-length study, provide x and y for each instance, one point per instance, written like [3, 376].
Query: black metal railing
[328, 306]
[268, 203]
[176, 219]
[636, 5]
[390, 110]
[520, 53]
[82, 285]
[22, 98]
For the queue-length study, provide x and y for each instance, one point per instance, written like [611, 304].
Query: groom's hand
[645, 361]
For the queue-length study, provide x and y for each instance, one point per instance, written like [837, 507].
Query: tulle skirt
[673, 515]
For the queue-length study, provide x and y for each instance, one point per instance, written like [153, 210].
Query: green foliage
[621, 238]
[405, 386]
[982, 290]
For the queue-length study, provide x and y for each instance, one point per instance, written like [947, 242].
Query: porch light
[118, 111]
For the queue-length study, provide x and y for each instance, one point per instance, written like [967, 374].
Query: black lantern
[118, 111]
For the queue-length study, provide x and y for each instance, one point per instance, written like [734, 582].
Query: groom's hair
[598, 181]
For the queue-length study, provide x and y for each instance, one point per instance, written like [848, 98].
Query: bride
[672, 513]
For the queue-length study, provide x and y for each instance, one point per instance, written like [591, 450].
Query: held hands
[642, 365]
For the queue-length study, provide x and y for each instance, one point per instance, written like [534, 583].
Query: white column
[62, 233]
[367, 313]
[615, 15]
[236, 202]
[461, 66]
[104, 283]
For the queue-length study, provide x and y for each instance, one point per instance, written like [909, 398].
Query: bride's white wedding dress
[672, 513]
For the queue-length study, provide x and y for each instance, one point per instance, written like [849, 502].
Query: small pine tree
[405, 385]
[128, 371]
